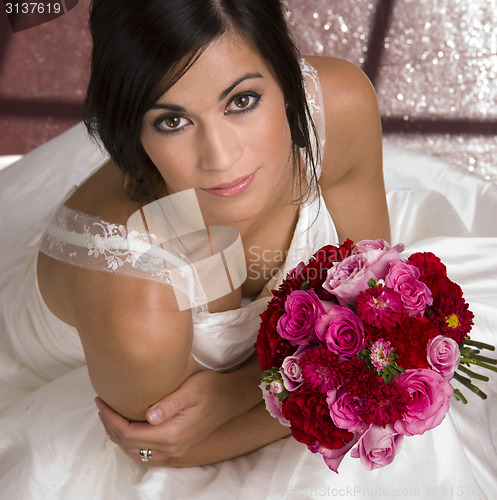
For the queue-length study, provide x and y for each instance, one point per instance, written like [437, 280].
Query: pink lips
[234, 188]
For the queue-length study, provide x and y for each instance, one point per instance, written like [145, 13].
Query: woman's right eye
[170, 124]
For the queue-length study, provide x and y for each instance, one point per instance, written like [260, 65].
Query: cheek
[271, 136]
[170, 161]
[277, 134]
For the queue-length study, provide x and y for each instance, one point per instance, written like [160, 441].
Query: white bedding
[52, 445]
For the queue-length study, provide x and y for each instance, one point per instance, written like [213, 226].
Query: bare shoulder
[137, 343]
[352, 115]
[352, 159]
[341, 77]
[102, 195]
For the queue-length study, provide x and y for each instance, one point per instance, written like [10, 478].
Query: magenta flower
[378, 446]
[320, 369]
[302, 309]
[345, 409]
[443, 355]
[342, 331]
[380, 307]
[429, 393]
[415, 295]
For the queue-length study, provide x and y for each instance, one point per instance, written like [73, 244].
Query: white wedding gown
[52, 444]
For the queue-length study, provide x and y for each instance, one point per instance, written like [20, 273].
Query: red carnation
[442, 286]
[410, 341]
[271, 349]
[311, 422]
[428, 264]
[385, 403]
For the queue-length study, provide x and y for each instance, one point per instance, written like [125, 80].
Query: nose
[220, 147]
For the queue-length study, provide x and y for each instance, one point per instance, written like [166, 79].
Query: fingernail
[154, 416]
[97, 402]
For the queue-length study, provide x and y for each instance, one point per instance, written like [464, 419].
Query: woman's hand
[185, 417]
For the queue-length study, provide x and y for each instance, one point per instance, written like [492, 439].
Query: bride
[209, 104]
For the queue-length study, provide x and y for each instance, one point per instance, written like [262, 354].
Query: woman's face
[222, 130]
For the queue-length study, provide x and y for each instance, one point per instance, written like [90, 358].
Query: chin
[230, 216]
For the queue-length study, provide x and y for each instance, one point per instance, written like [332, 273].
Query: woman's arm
[185, 417]
[242, 434]
[137, 342]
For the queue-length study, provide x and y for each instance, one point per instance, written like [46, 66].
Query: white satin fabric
[52, 445]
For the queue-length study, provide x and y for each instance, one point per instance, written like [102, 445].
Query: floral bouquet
[358, 348]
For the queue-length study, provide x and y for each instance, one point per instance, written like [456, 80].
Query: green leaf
[372, 283]
[305, 285]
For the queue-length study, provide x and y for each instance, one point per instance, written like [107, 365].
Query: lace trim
[88, 242]
[73, 236]
[201, 264]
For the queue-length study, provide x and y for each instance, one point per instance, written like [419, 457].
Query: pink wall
[433, 63]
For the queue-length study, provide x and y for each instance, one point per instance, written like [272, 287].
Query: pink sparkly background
[433, 63]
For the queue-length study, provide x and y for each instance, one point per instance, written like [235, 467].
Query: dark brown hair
[139, 51]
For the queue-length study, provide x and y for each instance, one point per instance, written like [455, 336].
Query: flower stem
[480, 345]
[467, 383]
[477, 362]
[485, 359]
[473, 374]
[459, 396]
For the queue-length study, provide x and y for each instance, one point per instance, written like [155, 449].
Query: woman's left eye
[243, 102]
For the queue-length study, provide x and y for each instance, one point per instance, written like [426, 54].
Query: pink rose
[292, 371]
[378, 446]
[344, 410]
[341, 330]
[302, 308]
[347, 278]
[371, 261]
[415, 295]
[273, 405]
[430, 394]
[443, 355]
[333, 458]
[379, 246]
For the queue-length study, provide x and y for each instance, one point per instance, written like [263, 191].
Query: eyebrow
[222, 95]
[235, 84]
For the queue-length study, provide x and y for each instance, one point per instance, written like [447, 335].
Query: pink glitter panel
[433, 63]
